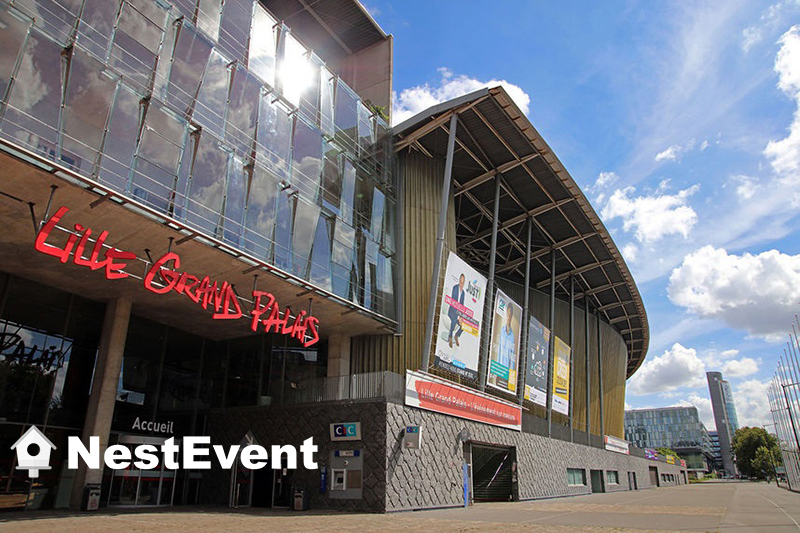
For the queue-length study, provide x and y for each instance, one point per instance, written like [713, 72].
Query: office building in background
[725, 418]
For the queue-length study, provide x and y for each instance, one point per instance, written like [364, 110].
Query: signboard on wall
[671, 459]
[459, 336]
[651, 454]
[561, 372]
[504, 351]
[345, 431]
[538, 355]
[425, 391]
[613, 444]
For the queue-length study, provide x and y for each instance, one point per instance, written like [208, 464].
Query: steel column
[600, 374]
[586, 365]
[551, 354]
[440, 233]
[571, 355]
[525, 328]
[488, 305]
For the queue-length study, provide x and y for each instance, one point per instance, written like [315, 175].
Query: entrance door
[493, 473]
[134, 487]
[282, 485]
[241, 488]
[632, 481]
[653, 476]
[597, 481]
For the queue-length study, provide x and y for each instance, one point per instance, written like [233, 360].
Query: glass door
[133, 487]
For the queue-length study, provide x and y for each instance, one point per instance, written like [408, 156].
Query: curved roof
[493, 137]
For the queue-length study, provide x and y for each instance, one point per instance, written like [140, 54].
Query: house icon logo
[33, 451]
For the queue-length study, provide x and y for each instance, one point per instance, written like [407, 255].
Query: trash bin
[91, 497]
[300, 500]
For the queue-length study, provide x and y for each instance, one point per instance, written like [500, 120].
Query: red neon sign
[222, 298]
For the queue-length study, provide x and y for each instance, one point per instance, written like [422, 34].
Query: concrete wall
[398, 479]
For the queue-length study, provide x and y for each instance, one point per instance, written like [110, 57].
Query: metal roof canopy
[493, 137]
[333, 29]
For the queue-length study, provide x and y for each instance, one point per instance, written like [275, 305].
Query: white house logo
[33, 451]
[33, 454]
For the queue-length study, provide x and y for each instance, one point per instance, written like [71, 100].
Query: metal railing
[372, 385]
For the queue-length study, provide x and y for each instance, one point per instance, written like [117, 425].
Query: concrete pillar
[338, 355]
[100, 411]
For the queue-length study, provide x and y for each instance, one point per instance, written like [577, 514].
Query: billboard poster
[613, 444]
[650, 454]
[425, 391]
[538, 355]
[459, 335]
[671, 459]
[504, 351]
[561, 377]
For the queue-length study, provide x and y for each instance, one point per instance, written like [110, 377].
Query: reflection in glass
[55, 17]
[208, 14]
[296, 74]
[320, 274]
[189, 59]
[235, 28]
[262, 45]
[306, 159]
[332, 180]
[342, 264]
[120, 142]
[31, 117]
[346, 116]
[327, 83]
[136, 43]
[15, 29]
[385, 286]
[274, 136]
[88, 101]
[242, 111]
[370, 273]
[378, 202]
[234, 201]
[96, 25]
[261, 205]
[305, 223]
[366, 129]
[348, 192]
[283, 231]
[213, 96]
[207, 185]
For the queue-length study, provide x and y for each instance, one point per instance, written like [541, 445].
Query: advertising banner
[683, 463]
[504, 352]
[561, 377]
[613, 444]
[538, 354]
[671, 459]
[459, 337]
[425, 391]
[651, 454]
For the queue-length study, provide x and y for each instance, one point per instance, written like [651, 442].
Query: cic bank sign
[346, 431]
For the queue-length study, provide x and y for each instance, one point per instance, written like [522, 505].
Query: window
[576, 476]
[612, 477]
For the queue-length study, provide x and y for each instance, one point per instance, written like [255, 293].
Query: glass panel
[242, 111]
[295, 73]
[370, 272]
[55, 18]
[305, 223]
[385, 286]
[306, 159]
[164, 63]
[321, 255]
[263, 45]
[235, 28]
[31, 117]
[348, 192]
[327, 81]
[188, 64]
[207, 185]
[208, 16]
[120, 143]
[332, 180]
[136, 42]
[309, 97]
[12, 37]
[213, 97]
[366, 129]
[364, 192]
[186, 8]
[346, 116]
[88, 102]
[261, 207]
[234, 201]
[158, 156]
[378, 202]
[344, 238]
[389, 224]
[274, 136]
[96, 25]
[283, 231]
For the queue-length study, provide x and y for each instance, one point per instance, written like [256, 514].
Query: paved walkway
[699, 507]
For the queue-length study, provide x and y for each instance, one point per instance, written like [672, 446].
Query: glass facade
[214, 114]
[678, 428]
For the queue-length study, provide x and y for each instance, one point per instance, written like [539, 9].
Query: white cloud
[745, 186]
[769, 22]
[652, 217]
[676, 368]
[751, 402]
[670, 154]
[604, 179]
[754, 293]
[704, 145]
[416, 99]
[745, 366]
[785, 153]
[630, 252]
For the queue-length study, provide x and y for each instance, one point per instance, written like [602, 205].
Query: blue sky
[680, 122]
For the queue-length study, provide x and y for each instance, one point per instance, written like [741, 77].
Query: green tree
[746, 443]
[766, 460]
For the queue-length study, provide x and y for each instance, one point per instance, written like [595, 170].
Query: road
[699, 507]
